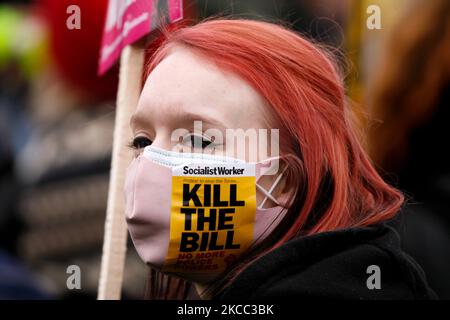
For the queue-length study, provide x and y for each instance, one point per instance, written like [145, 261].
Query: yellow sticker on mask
[212, 217]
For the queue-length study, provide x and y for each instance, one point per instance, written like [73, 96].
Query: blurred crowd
[57, 118]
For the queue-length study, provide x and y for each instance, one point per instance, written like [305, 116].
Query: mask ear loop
[268, 194]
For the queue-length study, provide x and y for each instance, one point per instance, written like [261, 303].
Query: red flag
[129, 20]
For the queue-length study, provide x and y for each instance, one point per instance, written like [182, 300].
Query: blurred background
[57, 118]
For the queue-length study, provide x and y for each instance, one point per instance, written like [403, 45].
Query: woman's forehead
[188, 83]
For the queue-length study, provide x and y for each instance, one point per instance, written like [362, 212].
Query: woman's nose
[163, 142]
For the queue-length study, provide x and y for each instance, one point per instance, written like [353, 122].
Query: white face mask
[193, 215]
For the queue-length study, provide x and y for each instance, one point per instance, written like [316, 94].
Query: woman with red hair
[329, 237]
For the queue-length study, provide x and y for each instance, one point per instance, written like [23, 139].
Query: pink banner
[129, 20]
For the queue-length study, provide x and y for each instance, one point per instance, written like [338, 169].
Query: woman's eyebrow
[190, 117]
[138, 120]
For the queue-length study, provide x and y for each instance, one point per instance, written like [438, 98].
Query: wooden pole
[115, 237]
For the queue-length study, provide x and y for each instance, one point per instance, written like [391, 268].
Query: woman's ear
[272, 189]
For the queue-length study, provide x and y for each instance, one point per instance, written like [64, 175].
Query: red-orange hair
[336, 185]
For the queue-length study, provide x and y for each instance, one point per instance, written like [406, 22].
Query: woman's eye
[199, 141]
[141, 142]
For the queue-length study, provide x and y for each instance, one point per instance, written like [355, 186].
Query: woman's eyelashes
[140, 142]
[192, 141]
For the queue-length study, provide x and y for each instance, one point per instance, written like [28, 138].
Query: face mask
[192, 215]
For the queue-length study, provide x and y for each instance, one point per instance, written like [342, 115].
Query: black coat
[333, 265]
